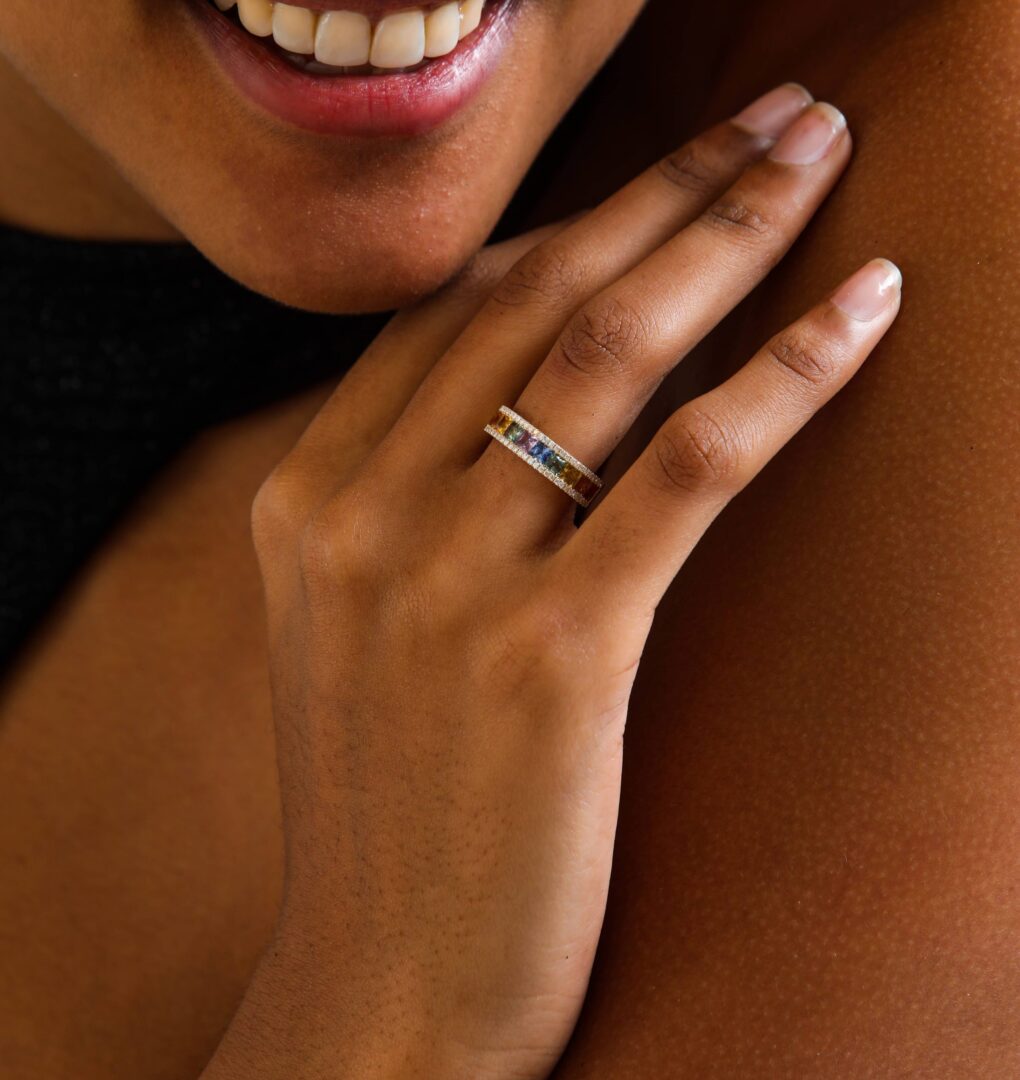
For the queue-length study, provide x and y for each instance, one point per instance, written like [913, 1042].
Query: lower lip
[404, 104]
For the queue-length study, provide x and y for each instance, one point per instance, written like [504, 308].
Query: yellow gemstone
[501, 422]
[570, 474]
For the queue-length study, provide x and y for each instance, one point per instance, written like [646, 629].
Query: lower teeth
[311, 66]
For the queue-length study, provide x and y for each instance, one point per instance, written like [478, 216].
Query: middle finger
[500, 349]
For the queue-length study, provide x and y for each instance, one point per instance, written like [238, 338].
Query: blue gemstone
[541, 452]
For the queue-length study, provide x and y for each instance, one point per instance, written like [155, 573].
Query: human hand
[452, 657]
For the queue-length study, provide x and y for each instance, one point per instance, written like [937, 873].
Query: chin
[389, 287]
[332, 274]
[348, 233]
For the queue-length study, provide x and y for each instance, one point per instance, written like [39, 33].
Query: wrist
[314, 1009]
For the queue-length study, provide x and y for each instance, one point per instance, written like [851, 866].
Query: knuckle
[277, 511]
[694, 453]
[807, 360]
[476, 279]
[603, 339]
[740, 219]
[319, 556]
[690, 170]
[549, 274]
[541, 640]
[339, 542]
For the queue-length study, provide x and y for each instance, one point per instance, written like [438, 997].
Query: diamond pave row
[543, 455]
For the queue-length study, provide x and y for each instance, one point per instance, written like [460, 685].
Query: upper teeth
[348, 38]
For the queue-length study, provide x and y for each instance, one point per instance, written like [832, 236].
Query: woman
[813, 867]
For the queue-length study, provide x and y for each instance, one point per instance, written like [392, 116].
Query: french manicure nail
[870, 290]
[811, 137]
[772, 113]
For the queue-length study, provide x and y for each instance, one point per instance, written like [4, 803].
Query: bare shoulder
[934, 105]
[815, 865]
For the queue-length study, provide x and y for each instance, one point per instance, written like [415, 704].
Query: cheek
[74, 53]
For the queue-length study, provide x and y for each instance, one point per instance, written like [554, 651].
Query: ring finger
[617, 348]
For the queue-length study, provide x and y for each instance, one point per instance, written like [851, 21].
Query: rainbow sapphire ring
[544, 456]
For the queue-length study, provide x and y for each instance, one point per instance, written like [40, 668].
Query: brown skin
[816, 859]
[814, 868]
[407, 213]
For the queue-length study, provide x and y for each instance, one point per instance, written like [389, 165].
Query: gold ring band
[544, 456]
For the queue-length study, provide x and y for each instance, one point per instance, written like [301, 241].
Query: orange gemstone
[501, 422]
[570, 475]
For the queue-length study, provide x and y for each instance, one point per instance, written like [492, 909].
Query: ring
[543, 455]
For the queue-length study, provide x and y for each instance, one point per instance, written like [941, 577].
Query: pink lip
[405, 104]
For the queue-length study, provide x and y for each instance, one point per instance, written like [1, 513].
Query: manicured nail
[812, 136]
[870, 290]
[775, 111]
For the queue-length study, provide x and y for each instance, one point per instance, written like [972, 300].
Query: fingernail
[812, 136]
[870, 290]
[772, 113]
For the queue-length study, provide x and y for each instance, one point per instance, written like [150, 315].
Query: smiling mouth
[345, 42]
[371, 69]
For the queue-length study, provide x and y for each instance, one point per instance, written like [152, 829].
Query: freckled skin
[816, 864]
[272, 206]
[815, 873]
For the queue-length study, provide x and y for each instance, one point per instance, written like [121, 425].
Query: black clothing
[112, 357]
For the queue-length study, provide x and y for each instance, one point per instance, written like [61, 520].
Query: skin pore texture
[817, 852]
[407, 214]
